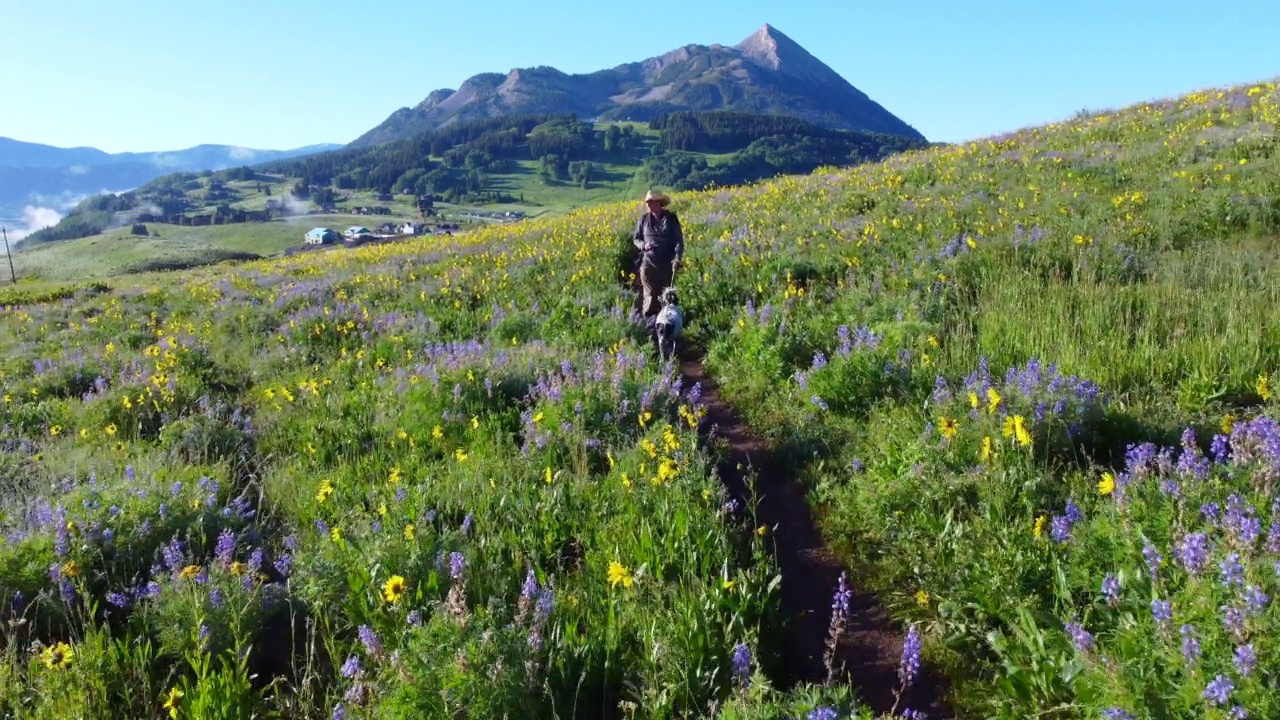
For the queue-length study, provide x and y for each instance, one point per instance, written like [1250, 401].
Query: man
[661, 242]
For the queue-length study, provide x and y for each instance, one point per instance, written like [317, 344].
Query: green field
[1024, 387]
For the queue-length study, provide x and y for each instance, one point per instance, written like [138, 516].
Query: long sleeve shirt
[660, 239]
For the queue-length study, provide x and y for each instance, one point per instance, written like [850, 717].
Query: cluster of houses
[359, 234]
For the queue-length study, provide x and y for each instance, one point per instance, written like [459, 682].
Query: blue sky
[164, 75]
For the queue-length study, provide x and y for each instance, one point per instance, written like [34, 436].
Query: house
[357, 231]
[321, 236]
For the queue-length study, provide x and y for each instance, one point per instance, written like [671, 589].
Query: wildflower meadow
[1026, 382]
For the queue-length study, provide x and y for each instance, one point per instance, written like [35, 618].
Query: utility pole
[12, 275]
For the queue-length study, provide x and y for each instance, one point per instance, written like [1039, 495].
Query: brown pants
[653, 280]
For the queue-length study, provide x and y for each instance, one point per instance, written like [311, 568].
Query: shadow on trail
[871, 647]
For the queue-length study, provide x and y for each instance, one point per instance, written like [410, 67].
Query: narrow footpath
[872, 644]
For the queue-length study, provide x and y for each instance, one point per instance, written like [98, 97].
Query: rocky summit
[767, 72]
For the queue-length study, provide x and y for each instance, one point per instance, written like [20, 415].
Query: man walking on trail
[661, 242]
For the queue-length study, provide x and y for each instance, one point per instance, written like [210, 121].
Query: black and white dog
[669, 323]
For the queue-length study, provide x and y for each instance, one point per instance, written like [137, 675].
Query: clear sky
[165, 74]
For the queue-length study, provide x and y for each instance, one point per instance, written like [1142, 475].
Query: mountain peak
[767, 72]
[768, 46]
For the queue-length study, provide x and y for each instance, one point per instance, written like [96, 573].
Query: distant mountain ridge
[767, 72]
[16, 153]
[44, 175]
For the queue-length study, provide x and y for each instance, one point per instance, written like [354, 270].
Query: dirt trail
[872, 646]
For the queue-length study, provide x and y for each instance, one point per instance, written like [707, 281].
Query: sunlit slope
[952, 346]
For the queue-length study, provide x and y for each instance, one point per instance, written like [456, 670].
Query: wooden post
[12, 275]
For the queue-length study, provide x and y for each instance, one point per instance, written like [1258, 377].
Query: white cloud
[33, 219]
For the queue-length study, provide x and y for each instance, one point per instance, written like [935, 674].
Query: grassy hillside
[1027, 380]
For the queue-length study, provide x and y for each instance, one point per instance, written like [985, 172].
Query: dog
[669, 323]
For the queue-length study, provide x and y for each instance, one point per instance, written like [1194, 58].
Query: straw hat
[663, 200]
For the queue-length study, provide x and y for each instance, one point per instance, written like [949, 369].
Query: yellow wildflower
[1107, 484]
[173, 701]
[1263, 386]
[922, 597]
[948, 428]
[1038, 528]
[993, 400]
[619, 575]
[394, 589]
[58, 656]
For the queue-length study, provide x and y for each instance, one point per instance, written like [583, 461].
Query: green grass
[1007, 372]
[119, 251]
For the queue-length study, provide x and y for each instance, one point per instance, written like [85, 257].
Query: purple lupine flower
[542, 611]
[1218, 449]
[174, 558]
[909, 665]
[1060, 529]
[1210, 511]
[283, 564]
[1238, 713]
[1233, 620]
[822, 713]
[1161, 611]
[818, 402]
[1218, 690]
[351, 667]
[457, 564]
[370, 640]
[466, 523]
[1111, 589]
[203, 638]
[1153, 557]
[1246, 660]
[1255, 600]
[339, 712]
[414, 618]
[1115, 713]
[742, 664]
[118, 599]
[1193, 552]
[841, 599]
[1081, 638]
[216, 597]
[225, 548]
[1232, 572]
[1190, 645]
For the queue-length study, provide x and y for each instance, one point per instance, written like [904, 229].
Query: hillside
[525, 164]
[766, 73]
[43, 174]
[1026, 385]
